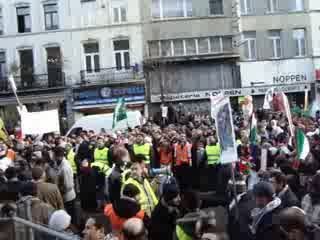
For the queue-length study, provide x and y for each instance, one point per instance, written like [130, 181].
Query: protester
[66, 182]
[283, 191]
[47, 192]
[94, 230]
[134, 229]
[212, 153]
[264, 225]
[30, 207]
[166, 213]
[182, 152]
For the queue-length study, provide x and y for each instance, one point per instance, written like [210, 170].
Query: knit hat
[263, 189]
[170, 191]
[60, 220]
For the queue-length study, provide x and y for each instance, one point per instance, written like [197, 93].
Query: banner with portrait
[222, 114]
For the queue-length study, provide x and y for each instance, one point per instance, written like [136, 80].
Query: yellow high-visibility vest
[213, 154]
[71, 158]
[142, 150]
[101, 159]
[147, 197]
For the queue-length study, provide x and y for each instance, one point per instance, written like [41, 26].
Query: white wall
[90, 20]
[286, 71]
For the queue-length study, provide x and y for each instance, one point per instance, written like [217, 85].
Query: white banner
[221, 112]
[33, 123]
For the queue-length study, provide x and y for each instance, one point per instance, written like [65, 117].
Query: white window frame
[19, 6]
[274, 39]
[246, 8]
[300, 42]
[50, 12]
[250, 41]
[118, 5]
[3, 70]
[274, 7]
[219, 14]
[122, 54]
[220, 45]
[185, 10]
[92, 56]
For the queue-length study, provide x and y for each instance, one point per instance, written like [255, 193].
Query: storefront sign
[229, 92]
[107, 95]
[290, 71]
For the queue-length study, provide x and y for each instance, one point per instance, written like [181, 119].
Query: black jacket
[163, 221]
[114, 184]
[289, 199]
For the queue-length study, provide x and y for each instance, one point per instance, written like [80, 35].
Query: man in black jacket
[283, 191]
[265, 225]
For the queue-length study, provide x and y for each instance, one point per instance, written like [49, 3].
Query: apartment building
[75, 55]
[189, 52]
[276, 47]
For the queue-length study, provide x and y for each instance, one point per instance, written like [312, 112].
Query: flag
[3, 131]
[288, 113]
[303, 146]
[120, 112]
[12, 83]
[268, 99]
[253, 130]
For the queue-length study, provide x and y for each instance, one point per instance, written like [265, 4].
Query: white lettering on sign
[173, 97]
[285, 79]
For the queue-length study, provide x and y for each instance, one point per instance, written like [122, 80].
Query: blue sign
[107, 95]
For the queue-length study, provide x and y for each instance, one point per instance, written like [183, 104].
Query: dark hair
[29, 189]
[59, 151]
[279, 177]
[191, 200]
[10, 173]
[131, 191]
[139, 158]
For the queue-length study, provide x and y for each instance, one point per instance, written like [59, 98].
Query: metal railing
[34, 81]
[19, 229]
[109, 75]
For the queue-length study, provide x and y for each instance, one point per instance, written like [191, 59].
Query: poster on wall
[221, 113]
[36, 123]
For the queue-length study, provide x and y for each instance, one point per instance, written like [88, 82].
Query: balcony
[110, 76]
[34, 82]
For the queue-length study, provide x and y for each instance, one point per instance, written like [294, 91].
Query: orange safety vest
[116, 221]
[182, 154]
[11, 155]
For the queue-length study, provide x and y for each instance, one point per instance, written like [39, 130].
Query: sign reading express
[107, 95]
[228, 92]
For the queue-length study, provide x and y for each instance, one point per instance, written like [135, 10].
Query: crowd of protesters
[124, 185]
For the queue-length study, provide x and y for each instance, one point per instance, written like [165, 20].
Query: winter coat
[115, 182]
[49, 193]
[288, 198]
[87, 179]
[239, 229]
[163, 221]
[66, 181]
[33, 209]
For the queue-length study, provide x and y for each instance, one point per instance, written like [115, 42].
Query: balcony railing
[34, 82]
[110, 75]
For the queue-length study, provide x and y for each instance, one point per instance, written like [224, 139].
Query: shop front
[103, 99]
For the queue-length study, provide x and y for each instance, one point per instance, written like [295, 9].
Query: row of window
[273, 6]
[191, 46]
[275, 44]
[51, 16]
[91, 53]
[181, 8]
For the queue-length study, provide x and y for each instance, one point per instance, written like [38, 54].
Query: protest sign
[35, 123]
[221, 112]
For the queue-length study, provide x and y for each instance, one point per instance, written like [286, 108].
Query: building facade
[60, 51]
[189, 52]
[276, 47]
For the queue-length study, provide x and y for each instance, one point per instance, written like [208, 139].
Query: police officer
[142, 148]
[101, 157]
[212, 152]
